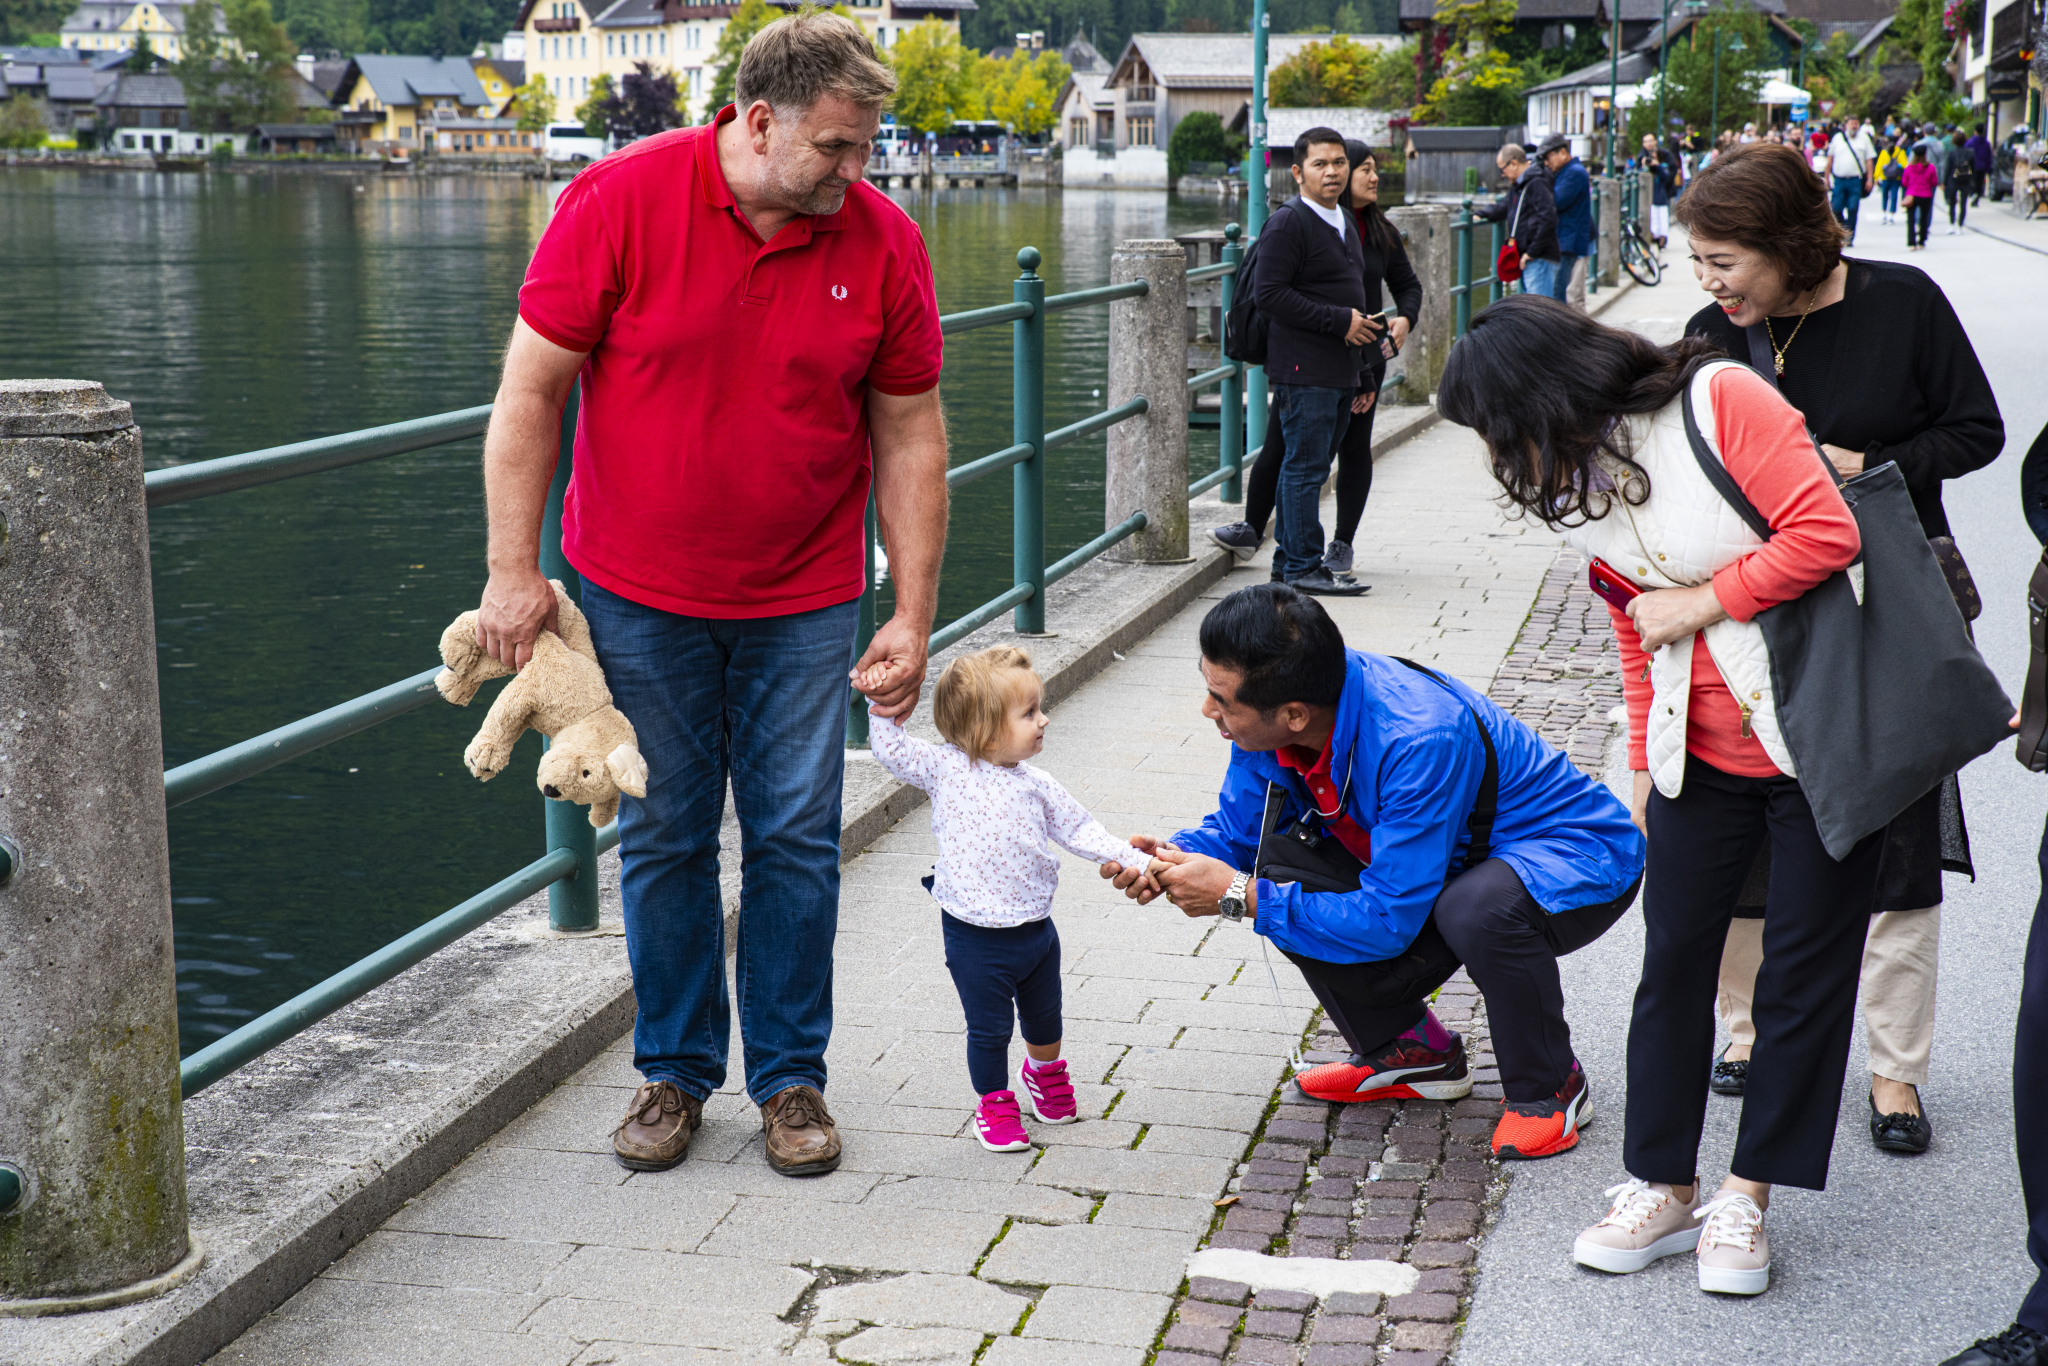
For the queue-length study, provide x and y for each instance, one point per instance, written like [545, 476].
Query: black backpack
[1244, 330]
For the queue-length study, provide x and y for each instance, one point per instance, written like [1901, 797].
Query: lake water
[242, 312]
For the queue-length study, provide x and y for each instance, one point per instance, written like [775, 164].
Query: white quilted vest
[1681, 536]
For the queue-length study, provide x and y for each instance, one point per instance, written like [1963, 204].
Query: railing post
[1463, 252]
[1609, 227]
[1148, 355]
[572, 902]
[1494, 287]
[92, 1135]
[1027, 427]
[1593, 265]
[1230, 394]
[1426, 231]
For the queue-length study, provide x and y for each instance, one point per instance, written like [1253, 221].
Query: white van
[568, 142]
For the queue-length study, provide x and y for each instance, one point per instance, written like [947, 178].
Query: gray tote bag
[1881, 693]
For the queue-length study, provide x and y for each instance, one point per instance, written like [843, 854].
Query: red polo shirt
[1315, 774]
[722, 449]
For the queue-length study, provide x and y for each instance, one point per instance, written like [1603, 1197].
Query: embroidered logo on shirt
[839, 291]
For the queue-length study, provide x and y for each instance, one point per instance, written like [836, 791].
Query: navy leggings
[1001, 974]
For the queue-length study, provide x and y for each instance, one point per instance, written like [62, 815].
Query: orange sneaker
[1547, 1127]
[1403, 1070]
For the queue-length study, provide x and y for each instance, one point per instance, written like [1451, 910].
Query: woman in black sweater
[1873, 356]
[1385, 258]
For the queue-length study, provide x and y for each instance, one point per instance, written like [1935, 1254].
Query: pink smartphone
[1605, 580]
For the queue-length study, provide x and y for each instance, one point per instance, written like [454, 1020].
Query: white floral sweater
[992, 823]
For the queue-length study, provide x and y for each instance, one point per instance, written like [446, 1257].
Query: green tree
[1838, 86]
[591, 113]
[1479, 82]
[21, 123]
[934, 78]
[1020, 90]
[143, 58]
[25, 21]
[536, 105]
[240, 77]
[1689, 67]
[748, 20]
[1341, 74]
[327, 27]
[1199, 136]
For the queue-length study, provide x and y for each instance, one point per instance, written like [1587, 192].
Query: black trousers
[1354, 476]
[1817, 914]
[2030, 1102]
[1487, 921]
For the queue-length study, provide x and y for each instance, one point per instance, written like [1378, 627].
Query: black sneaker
[1320, 583]
[1238, 538]
[1903, 1132]
[1337, 559]
[2016, 1346]
[1729, 1078]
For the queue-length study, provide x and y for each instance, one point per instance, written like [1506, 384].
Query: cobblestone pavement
[1411, 1181]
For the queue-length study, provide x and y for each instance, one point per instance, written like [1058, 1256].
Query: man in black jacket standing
[1530, 211]
[1310, 284]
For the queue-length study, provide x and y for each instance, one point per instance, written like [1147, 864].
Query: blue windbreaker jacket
[1574, 195]
[1411, 765]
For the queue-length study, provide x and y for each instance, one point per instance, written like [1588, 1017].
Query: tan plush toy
[593, 755]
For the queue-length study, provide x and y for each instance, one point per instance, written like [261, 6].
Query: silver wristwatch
[1231, 905]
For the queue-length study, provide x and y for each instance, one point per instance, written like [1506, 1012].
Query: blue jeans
[1312, 422]
[1845, 199]
[761, 702]
[1548, 278]
[1891, 190]
[1001, 974]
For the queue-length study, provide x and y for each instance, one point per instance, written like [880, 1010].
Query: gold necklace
[1777, 351]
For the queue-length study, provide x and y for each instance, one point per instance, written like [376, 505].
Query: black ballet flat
[1900, 1133]
[1729, 1078]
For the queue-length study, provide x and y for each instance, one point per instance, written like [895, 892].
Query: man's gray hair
[798, 59]
[1511, 151]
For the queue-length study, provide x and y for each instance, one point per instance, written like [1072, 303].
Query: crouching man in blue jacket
[1381, 824]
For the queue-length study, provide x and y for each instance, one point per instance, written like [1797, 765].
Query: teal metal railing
[568, 870]
[1462, 234]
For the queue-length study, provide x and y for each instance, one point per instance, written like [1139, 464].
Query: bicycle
[1639, 253]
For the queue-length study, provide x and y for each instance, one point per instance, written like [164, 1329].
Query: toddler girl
[992, 813]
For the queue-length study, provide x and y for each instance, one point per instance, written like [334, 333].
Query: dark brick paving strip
[1405, 1181]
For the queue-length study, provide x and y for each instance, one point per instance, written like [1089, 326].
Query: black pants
[2030, 1102]
[1957, 197]
[1003, 973]
[1486, 920]
[1354, 476]
[1816, 917]
[1919, 218]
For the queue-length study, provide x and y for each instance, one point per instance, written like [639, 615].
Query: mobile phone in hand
[1604, 579]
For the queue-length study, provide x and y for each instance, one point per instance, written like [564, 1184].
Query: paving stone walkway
[925, 1248]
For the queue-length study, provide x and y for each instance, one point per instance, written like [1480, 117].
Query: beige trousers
[1899, 962]
[1575, 291]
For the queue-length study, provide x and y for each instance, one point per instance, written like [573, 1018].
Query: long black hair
[1534, 373]
[1372, 220]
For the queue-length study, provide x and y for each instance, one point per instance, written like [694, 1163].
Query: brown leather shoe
[655, 1134]
[801, 1140]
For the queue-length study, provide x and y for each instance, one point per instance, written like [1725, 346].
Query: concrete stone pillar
[1426, 232]
[1148, 354]
[1610, 231]
[90, 1120]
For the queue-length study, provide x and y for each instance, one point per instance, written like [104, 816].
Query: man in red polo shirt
[757, 336]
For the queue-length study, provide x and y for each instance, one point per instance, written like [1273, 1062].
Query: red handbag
[1507, 267]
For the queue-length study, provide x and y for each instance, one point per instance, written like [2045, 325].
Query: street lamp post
[1255, 193]
[1613, 82]
[1663, 47]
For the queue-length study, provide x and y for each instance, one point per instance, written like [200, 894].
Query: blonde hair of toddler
[975, 693]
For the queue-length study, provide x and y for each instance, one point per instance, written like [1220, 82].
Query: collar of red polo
[718, 194]
[1298, 758]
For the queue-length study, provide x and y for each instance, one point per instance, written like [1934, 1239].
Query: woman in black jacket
[1385, 258]
[1873, 356]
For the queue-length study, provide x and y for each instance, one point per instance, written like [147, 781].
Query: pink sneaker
[1052, 1095]
[998, 1125]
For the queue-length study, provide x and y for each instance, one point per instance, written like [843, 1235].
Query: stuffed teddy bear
[593, 754]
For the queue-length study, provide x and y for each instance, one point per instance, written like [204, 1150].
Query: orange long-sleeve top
[1765, 448]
